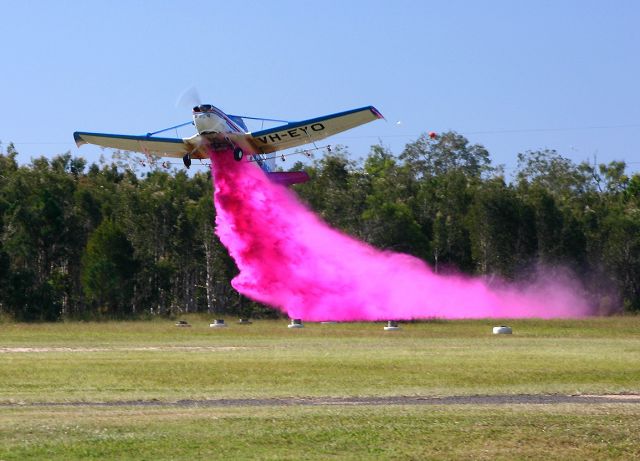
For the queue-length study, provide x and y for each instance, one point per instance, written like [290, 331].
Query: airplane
[218, 131]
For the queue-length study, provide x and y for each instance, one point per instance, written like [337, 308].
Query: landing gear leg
[187, 160]
[238, 154]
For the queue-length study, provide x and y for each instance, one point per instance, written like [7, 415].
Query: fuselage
[210, 119]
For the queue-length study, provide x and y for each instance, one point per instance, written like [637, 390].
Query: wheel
[238, 154]
[187, 160]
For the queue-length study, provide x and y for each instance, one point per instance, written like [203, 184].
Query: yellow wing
[307, 131]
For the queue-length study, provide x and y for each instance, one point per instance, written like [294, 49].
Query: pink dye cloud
[290, 259]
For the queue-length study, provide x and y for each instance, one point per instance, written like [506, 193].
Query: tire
[237, 154]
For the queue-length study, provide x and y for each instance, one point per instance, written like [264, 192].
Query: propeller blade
[189, 98]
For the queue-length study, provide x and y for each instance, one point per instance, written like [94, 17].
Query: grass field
[49, 364]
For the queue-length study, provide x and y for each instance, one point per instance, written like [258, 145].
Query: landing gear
[237, 154]
[187, 160]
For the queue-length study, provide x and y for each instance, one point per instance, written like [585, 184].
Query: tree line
[97, 241]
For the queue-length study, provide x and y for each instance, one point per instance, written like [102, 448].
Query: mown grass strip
[156, 360]
[441, 432]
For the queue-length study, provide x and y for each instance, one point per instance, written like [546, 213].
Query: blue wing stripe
[77, 136]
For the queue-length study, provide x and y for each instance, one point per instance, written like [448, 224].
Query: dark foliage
[106, 242]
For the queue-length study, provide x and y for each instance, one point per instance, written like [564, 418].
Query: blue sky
[510, 75]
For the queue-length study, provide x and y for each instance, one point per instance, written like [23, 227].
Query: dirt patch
[615, 397]
[15, 350]
[352, 401]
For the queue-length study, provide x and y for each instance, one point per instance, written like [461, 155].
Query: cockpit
[203, 108]
[209, 119]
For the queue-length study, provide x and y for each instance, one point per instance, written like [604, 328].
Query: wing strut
[170, 128]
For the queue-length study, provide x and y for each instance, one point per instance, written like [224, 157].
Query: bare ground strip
[528, 399]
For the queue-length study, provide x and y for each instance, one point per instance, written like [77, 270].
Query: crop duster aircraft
[218, 131]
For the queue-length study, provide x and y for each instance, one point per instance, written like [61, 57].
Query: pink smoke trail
[290, 259]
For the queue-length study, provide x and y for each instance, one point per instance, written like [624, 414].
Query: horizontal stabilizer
[288, 178]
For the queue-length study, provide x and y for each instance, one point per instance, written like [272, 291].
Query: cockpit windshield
[203, 108]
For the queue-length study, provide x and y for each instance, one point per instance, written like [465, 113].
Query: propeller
[189, 98]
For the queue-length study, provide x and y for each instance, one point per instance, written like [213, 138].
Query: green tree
[551, 171]
[389, 218]
[448, 152]
[108, 270]
[336, 191]
[445, 201]
[622, 255]
[502, 230]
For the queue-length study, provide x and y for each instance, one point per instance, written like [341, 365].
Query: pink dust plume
[290, 259]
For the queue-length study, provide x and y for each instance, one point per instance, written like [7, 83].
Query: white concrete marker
[391, 326]
[295, 323]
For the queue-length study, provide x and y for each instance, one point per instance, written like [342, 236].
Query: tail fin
[287, 178]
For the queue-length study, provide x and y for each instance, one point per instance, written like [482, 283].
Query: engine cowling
[207, 122]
